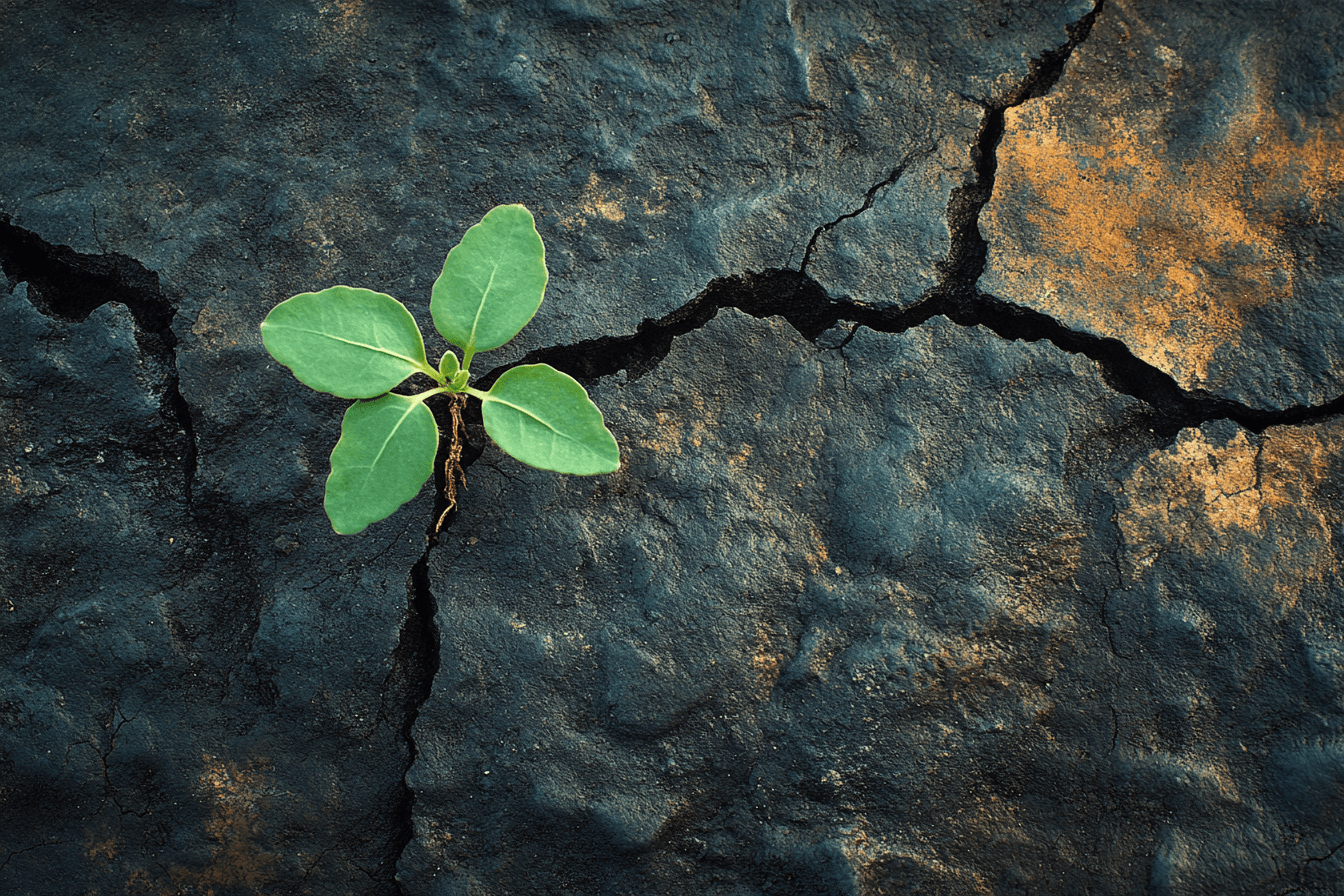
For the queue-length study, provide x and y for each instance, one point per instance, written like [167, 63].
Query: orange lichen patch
[738, 459]
[1196, 485]
[237, 797]
[1255, 503]
[610, 202]
[597, 200]
[767, 661]
[815, 554]
[656, 201]
[708, 110]
[101, 848]
[12, 482]
[344, 19]
[677, 430]
[1165, 252]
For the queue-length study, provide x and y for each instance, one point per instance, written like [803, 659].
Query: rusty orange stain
[237, 797]
[1166, 252]
[1210, 499]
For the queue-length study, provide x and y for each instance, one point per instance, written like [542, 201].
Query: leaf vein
[412, 361]
[485, 295]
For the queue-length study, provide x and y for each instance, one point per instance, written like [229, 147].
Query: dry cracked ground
[977, 367]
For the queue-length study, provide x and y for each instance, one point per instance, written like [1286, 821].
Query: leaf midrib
[480, 306]
[373, 348]
[395, 429]
[526, 412]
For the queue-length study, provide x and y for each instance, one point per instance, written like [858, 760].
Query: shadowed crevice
[789, 294]
[803, 302]
[960, 271]
[68, 286]
[415, 663]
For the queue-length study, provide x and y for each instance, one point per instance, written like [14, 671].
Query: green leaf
[385, 454]
[544, 418]
[492, 282]
[355, 343]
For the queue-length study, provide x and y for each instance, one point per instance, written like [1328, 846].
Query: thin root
[454, 477]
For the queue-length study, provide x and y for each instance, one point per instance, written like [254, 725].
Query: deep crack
[804, 303]
[67, 285]
[415, 662]
[965, 262]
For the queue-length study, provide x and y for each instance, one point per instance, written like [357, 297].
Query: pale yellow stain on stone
[674, 432]
[597, 202]
[767, 661]
[612, 202]
[708, 110]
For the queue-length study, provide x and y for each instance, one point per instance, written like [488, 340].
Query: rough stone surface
[1180, 190]
[192, 698]
[917, 606]
[813, 638]
[661, 145]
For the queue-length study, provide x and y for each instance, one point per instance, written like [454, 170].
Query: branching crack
[1328, 856]
[965, 262]
[803, 302]
[68, 285]
[867, 204]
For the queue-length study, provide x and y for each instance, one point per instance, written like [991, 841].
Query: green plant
[356, 343]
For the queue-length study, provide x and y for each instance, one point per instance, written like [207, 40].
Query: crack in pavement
[68, 286]
[868, 198]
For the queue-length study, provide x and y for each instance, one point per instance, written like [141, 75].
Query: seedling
[356, 343]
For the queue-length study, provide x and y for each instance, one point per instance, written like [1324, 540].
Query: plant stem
[439, 391]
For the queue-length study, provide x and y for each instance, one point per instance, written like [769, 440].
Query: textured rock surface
[193, 698]
[660, 145]
[813, 638]
[1180, 190]
[929, 608]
